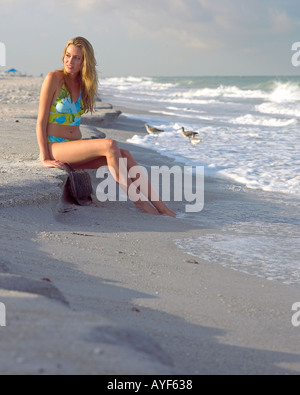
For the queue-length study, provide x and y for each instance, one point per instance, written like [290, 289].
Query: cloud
[202, 30]
[179, 21]
[280, 22]
[190, 23]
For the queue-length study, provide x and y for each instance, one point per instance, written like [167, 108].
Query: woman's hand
[52, 163]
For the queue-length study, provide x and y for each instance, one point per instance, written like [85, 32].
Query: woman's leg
[87, 153]
[148, 190]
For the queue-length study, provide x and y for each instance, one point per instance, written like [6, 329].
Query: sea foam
[249, 126]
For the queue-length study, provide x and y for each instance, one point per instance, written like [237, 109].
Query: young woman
[65, 96]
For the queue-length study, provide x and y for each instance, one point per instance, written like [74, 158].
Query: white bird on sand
[189, 134]
[153, 131]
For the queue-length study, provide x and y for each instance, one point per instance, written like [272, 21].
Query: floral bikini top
[64, 111]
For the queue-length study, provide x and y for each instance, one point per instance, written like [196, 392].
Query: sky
[155, 37]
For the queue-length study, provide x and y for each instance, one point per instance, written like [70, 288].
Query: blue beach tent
[12, 71]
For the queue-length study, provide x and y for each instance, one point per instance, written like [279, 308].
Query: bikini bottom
[53, 139]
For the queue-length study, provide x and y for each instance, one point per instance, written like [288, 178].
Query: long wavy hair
[89, 75]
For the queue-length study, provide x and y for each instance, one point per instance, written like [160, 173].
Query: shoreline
[105, 290]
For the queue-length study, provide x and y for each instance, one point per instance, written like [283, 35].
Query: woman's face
[73, 60]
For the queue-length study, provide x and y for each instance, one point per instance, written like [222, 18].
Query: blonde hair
[89, 76]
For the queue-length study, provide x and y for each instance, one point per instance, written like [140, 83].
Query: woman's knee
[111, 146]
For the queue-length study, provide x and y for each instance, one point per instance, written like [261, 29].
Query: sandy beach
[104, 289]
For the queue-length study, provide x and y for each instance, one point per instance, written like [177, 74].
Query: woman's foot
[146, 208]
[167, 211]
[163, 209]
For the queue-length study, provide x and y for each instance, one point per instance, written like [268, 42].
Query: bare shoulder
[53, 79]
[50, 87]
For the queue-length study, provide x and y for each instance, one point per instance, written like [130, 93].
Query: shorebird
[195, 141]
[189, 134]
[153, 131]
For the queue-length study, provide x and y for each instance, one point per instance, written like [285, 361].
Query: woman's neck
[72, 79]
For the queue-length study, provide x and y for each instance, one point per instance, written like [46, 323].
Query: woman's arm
[46, 99]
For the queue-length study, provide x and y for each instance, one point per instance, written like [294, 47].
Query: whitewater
[250, 135]
[249, 127]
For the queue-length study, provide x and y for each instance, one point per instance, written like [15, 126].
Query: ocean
[249, 127]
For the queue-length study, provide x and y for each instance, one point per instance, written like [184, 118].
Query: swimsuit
[65, 112]
[53, 139]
